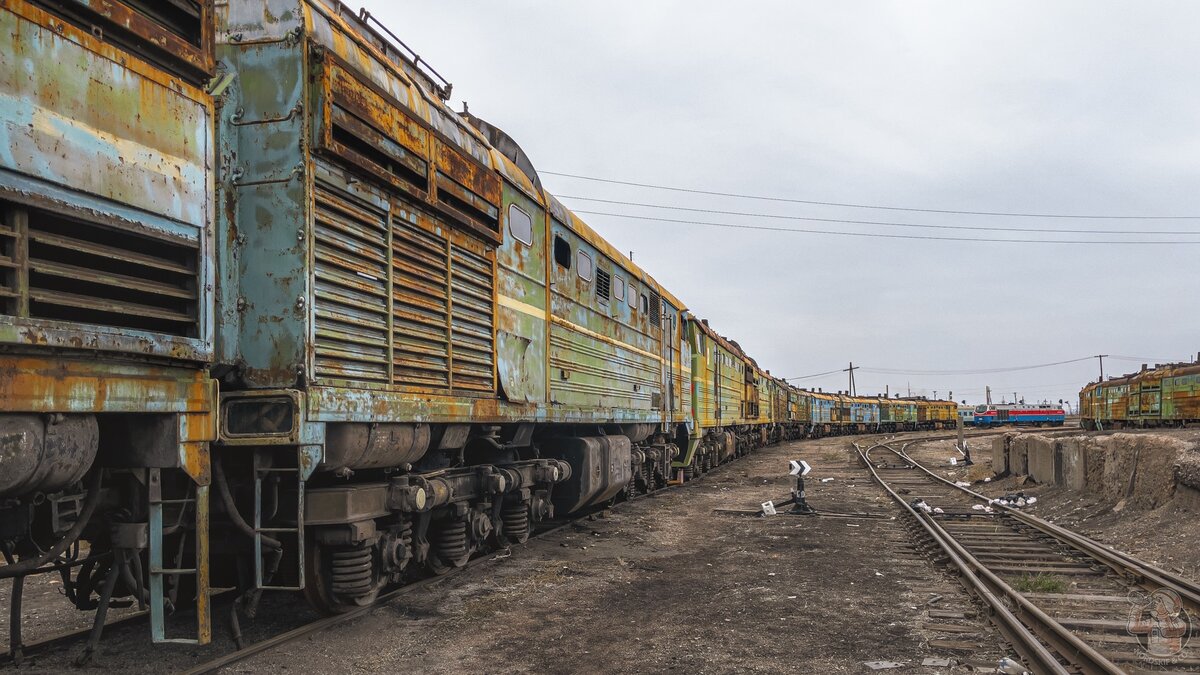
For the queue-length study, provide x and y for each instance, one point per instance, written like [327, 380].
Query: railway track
[1066, 603]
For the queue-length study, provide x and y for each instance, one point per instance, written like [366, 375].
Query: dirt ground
[671, 584]
[688, 580]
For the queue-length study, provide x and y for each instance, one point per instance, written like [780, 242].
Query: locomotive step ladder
[264, 470]
[197, 504]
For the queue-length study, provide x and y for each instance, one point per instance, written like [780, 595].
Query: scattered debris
[1011, 667]
[961, 483]
[882, 665]
[934, 661]
[987, 479]
[826, 480]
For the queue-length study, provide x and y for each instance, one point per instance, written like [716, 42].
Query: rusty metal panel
[350, 270]
[176, 35]
[39, 384]
[111, 253]
[521, 317]
[361, 127]
[66, 95]
[472, 316]
[264, 232]
[421, 306]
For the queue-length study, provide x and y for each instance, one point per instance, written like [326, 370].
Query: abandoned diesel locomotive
[260, 285]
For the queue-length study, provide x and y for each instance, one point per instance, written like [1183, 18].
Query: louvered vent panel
[350, 241]
[603, 285]
[655, 309]
[420, 336]
[90, 273]
[10, 269]
[474, 362]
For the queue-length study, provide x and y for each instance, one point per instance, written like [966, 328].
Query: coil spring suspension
[353, 571]
[451, 544]
[515, 517]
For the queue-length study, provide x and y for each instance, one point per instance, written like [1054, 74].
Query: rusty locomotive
[260, 286]
[1167, 395]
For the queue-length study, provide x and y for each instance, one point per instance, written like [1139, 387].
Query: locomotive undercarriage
[109, 504]
[392, 502]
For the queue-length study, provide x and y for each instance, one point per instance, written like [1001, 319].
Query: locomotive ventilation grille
[66, 269]
[399, 303]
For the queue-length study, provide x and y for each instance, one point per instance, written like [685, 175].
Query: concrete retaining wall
[1144, 469]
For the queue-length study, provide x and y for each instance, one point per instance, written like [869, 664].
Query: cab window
[520, 225]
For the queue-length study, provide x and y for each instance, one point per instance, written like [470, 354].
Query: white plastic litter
[826, 480]
[987, 479]
[938, 509]
[978, 507]
[962, 484]
[953, 461]
[1031, 500]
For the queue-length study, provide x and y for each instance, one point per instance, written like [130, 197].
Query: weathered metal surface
[32, 384]
[108, 254]
[1160, 396]
[42, 453]
[604, 352]
[522, 322]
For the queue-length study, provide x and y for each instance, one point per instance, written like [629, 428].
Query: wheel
[341, 578]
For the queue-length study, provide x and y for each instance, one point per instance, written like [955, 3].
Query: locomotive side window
[562, 251]
[633, 297]
[586, 266]
[520, 225]
[645, 303]
[619, 289]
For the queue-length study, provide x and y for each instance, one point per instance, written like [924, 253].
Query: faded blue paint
[264, 250]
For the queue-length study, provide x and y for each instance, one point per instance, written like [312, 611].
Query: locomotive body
[106, 287]
[1163, 396]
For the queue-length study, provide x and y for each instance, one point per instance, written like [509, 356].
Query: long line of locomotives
[1162, 396]
[272, 316]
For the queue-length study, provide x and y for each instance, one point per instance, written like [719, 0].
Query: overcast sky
[1032, 107]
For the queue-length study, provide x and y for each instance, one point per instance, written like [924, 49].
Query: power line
[985, 371]
[879, 235]
[809, 377]
[863, 206]
[882, 223]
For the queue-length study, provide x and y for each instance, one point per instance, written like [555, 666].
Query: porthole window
[520, 225]
[585, 268]
[562, 252]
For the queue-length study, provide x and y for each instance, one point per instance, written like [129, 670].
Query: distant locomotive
[1163, 396]
[420, 353]
[1019, 414]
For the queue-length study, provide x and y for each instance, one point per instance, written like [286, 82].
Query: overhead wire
[979, 228]
[791, 200]
[881, 235]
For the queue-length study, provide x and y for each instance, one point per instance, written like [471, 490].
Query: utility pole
[989, 395]
[851, 370]
[1101, 357]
